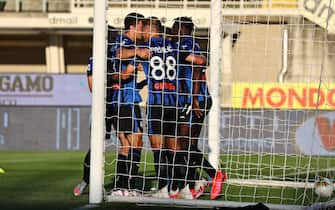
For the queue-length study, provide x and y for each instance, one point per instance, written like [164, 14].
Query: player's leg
[80, 188]
[160, 162]
[134, 157]
[122, 169]
[184, 137]
[109, 114]
[197, 157]
[158, 149]
[176, 155]
[136, 143]
[130, 117]
[177, 169]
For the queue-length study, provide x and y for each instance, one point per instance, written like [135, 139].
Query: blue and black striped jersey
[128, 91]
[161, 72]
[187, 46]
[112, 86]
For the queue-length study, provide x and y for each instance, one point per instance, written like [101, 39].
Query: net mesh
[277, 96]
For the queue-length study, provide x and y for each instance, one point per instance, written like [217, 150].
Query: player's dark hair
[154, 23]
[185, 22]
[132, 19]
[167, 30]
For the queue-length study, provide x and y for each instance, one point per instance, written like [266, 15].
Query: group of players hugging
[177, 104]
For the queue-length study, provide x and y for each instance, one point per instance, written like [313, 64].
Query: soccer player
[161, 73]
[196, 102]
[129, 113]
[112, 92]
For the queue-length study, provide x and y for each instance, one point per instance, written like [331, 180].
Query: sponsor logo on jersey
[164, 86]
[166, 49]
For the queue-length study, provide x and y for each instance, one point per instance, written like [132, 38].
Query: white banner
[316, 136]
[321, 12]
[44, 90]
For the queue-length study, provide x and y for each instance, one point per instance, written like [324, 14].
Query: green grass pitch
[44, 180]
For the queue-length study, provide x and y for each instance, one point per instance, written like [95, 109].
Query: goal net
[202, 110]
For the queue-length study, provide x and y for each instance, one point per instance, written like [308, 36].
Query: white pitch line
[88, 206]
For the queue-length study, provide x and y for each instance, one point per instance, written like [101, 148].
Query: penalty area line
[86, 207]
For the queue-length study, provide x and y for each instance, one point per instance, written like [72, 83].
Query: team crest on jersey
[184, 46]
[123, 42]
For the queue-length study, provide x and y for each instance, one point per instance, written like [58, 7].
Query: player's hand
[196, 109]
[130, 69]
[128, 72]
[143, 53]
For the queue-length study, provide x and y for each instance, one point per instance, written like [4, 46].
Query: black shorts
[125, 118]
[162, 120]
[185, 116]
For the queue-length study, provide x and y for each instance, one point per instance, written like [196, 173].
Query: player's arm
[89, 82]
[197, 73]
[112, 74]
[130, 69]
[192, 52]
[114, 77]
[196, 59]
[124, 53]
[127, 72]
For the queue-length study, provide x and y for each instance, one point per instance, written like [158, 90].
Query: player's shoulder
[156, 41]
[186, 41]
[189, 42]
[123, 40]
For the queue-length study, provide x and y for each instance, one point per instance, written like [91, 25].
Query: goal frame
[96, 194]
[98, 102]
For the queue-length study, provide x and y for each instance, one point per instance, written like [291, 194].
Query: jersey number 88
[161, 70]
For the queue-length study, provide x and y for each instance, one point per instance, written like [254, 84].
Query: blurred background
[278, 50]
[45, 46]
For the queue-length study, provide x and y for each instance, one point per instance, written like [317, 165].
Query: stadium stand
[37, 6]
[62, 29]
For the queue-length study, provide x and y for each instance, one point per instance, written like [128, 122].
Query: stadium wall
[68, 128]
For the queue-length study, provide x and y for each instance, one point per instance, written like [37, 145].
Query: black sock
[134, 158]
[86, 168]
[182, 159]
[108, 123]
[192, 173]
[121, 172]
[202, 162]
[161, 167]
[177, 161]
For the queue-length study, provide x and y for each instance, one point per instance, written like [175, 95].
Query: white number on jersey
[161, 70]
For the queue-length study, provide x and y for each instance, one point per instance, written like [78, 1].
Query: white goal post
[216, 27]
[271, 125]
[98, 102]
